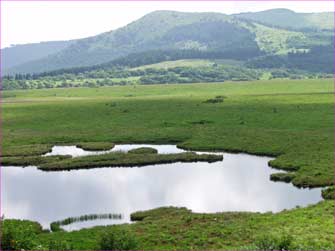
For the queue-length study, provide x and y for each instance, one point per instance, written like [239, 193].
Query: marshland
[291, 121]
[179, 131]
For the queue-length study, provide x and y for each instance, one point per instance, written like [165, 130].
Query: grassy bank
[32, 160]
[308, 228]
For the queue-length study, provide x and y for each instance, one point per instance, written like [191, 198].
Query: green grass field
[290, 119]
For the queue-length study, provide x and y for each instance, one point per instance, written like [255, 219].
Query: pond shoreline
[109, 146]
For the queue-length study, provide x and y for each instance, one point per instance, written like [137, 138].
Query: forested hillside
[244, 37]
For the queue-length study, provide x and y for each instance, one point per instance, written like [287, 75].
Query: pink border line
[334, 107]
[1, 132]
[0, 126]
[166, 0]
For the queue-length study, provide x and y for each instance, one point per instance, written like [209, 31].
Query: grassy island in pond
[143, 150]
[119, 159]
[95, 146]
[136, 157]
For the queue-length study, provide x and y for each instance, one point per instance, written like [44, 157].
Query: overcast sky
[28, 22]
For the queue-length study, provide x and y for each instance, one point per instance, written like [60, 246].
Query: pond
[238, 183]
[75, 151]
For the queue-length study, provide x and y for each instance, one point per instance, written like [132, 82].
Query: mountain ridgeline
[20, 54]
[287, 19]
[276, 38]
[158, 30]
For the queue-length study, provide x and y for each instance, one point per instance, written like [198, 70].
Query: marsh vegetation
[291, 120]
[57, 225]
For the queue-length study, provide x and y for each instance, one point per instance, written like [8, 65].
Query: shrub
[328, 193]
[217, 99]
[266, 242]
[285, 242]
[201, 122]
[55, 227]
[17, 239]
[271, 242]
[117, 239]
[59, 245]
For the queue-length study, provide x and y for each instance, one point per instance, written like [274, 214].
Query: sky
[36, 21]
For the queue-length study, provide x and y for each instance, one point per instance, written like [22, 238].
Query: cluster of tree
[125, 76]
[41, 84]
[296, 74]
[313, 39]
[19, 76]
[199, 74]
[318, 59]
[145, 58]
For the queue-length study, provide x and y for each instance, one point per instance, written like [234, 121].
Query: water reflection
[75, 151]
[59, 225]
[238, 183]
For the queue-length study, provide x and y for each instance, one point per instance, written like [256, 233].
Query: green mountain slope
[19, 54]
[233, 36]
[157, 30]
[285, 18]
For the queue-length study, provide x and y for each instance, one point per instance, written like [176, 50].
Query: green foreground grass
[310, 228]
[291, 120]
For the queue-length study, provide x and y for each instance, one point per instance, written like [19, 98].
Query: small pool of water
[238, 183]
[74, 151]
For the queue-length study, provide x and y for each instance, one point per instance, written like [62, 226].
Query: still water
[238, 183]
[75, 151]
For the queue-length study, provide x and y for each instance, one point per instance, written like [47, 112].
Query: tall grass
[56, 225]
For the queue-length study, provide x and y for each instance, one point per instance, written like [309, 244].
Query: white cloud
[27, 22]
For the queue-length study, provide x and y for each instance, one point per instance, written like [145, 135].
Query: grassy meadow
[292, 120]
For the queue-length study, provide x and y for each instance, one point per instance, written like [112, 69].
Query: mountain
[242, 36]
[19, 54]
[284, 18]
[149, 32]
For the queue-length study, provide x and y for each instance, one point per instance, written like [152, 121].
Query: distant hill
[285, 18]
[19, 54]
[159, 29]
[242, 36]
